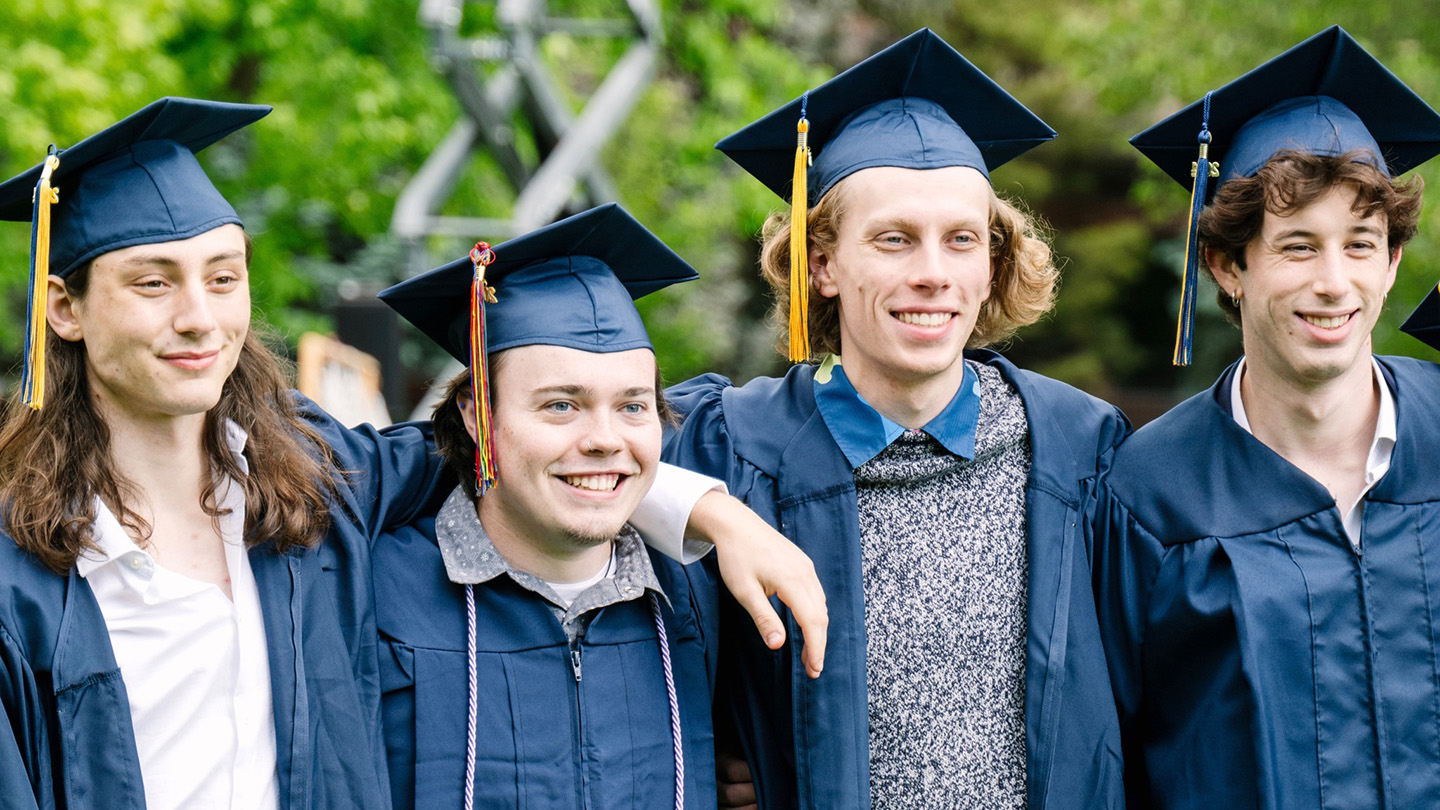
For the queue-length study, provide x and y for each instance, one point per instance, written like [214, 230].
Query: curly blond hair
[1024, 276]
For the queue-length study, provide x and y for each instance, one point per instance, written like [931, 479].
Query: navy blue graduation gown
[1259, 660]
[70, 742]
[545, 738]
[807, 741]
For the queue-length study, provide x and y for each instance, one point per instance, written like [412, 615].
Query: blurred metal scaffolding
[501, 81]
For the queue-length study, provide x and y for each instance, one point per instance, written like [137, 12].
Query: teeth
[925, 318]
[1327, 323]
[598, 483]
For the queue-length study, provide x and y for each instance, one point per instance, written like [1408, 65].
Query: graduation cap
[135, 183]
[570, 284]
[1325, 96]
[918, 104]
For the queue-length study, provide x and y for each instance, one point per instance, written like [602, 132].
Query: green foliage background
[359, 106]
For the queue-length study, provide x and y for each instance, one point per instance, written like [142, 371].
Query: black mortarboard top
[1424, 323]
[571, 284]
[135, 183]
[1325, 96]
[918, 104]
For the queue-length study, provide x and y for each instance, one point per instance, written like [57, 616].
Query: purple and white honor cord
[473, 701]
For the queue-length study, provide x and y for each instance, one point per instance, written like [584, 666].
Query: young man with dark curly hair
[1266, 569]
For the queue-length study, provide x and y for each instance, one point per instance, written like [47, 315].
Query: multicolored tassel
[1202, 170]
[799, 258]
[33, 380]
[480, 294]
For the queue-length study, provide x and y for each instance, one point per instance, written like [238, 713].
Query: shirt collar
[471, 559]
[862, 432]
[1386, 429]
[113, 542]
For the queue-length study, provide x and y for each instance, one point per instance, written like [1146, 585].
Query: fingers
[733, 782]
[752, 597]
[807, 604]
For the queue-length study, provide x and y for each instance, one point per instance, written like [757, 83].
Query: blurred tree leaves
[359, 106]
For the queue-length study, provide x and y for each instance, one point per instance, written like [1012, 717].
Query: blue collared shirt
[862, 432]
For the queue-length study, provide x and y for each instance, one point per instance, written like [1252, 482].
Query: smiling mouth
[191, 360]
[924, 318]
[1332, 322]
[594, 483]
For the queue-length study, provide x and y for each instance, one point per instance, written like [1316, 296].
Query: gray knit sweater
[945, 572]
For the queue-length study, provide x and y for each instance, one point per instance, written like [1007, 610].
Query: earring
[1236, 296]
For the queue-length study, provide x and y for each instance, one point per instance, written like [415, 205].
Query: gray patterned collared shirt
[471, 559]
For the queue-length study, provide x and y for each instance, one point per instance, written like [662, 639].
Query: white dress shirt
[1381, 447]
[194, 663]
[663, 512]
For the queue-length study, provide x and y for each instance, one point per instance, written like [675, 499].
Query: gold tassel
[799, 259]
[33, 382]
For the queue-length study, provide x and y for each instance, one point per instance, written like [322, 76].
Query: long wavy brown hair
[1023, 272]
[54, 462]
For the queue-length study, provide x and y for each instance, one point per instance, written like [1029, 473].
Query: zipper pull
[575, 662]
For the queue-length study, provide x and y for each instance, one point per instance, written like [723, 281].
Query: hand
[757, 562]
[734, 788]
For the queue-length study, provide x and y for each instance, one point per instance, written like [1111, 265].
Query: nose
[194, 313]
[601, 439]
[928, 271]
[1330, 275]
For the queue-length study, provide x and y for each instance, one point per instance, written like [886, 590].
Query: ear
[60, 309]
[821, 277]
[467, 415]
[1226, 273]
[1394, 267]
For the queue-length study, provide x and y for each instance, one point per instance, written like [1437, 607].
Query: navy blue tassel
[1202, 170]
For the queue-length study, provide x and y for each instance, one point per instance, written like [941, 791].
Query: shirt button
[136, 562]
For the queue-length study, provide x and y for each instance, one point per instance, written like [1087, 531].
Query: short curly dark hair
[1292, 180]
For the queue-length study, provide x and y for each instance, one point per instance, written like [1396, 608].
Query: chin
[590, 537]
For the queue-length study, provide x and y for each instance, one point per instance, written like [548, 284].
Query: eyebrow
[161, 260]
[580, 390]
[911, 226]
[1304, 233]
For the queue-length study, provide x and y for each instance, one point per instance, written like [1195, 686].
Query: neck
[1325, 430]
[550, 560]
[163, 458]
[910, 402]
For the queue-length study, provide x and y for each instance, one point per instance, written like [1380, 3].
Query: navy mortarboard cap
[570, 284]
[135, 183]
[1325, 96]
[918, 104]
[1424, 323]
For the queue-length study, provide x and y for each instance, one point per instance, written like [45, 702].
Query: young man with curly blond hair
[936, 486]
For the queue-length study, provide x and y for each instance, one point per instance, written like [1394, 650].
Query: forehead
[225, 241]
[1334, 211]
[915, 194]
[527, 369]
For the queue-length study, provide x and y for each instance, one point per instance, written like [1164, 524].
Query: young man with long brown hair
[173, 633]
